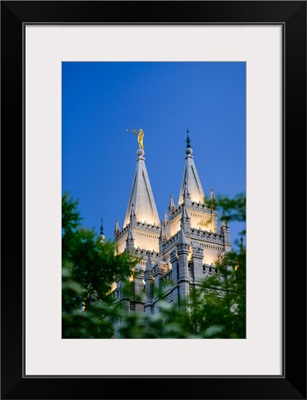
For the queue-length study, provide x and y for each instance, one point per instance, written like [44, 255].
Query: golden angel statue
[140, 135]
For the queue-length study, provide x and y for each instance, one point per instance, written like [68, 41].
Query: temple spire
[190, 181]
[141, 205]
[117, 228]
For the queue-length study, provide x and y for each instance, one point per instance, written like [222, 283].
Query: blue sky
[101, 100]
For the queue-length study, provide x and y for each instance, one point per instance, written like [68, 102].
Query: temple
[180, 250]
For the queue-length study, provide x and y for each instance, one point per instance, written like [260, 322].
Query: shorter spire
[148, 263]
[171, 203]
[190, 178]
[129, 240]
[164, 231]
[181, 237]
[117, 228]
[185, 216]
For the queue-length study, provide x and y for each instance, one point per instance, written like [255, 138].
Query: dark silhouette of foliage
[89, 270]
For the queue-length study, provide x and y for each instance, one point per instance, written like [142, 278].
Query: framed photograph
[218, 87]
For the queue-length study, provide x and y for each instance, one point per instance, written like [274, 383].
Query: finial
[188, 140]
[188, 150]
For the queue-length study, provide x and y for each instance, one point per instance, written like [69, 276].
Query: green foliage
[224, 303]
[89, 269]
[217, 309]
[235, 208]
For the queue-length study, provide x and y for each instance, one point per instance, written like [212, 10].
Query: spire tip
[188, 140]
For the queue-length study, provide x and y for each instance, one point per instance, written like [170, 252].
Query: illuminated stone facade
[180, 251]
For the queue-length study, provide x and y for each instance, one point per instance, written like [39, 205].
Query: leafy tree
[215, 310]
[89, 269]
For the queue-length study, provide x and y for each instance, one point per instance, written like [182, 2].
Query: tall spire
[141, 196]
[190, 180]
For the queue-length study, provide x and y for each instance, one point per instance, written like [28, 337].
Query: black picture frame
[292, 16]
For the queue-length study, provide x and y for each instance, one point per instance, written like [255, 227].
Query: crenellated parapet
[139, 225]
[143, 254]
[198, 234]
[171, 242]
[207, 236]
[196, 206]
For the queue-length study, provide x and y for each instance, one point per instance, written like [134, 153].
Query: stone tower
[179, 251]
